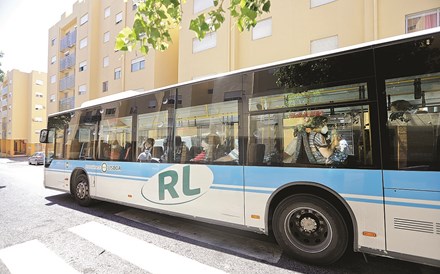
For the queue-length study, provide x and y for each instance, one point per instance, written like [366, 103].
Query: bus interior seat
[157, 152]
[256, 153]
[194, 151]
[304, 153]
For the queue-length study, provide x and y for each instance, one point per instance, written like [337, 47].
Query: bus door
[412, 183]
[55, 165]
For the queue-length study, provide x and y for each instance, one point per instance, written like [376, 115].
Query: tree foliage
[154, 19]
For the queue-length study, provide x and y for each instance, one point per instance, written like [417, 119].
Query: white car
[36, 159]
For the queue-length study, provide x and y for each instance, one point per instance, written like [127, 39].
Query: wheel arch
[76, 172]
[318, 190]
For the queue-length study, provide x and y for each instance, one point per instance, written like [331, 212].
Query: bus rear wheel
[81, 190]
[310, 229]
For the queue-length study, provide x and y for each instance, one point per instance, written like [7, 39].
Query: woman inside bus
[319, 147]
[145, 155]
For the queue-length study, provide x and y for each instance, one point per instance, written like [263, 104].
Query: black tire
[81, 190]
[310, 229]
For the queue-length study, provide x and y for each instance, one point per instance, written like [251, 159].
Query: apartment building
[23, 112]
[84, 66]
[296, 28]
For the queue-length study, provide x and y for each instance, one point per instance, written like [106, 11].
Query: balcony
[67, 103]
[67, 62]
[68, 41]
[67, 82]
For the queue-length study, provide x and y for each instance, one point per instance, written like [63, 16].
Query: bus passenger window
[337, 137]
[414, 122]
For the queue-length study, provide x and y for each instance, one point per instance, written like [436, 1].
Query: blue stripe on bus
[348, 181]
[416, 180]
[412, 205]
[412, 194]
[364, 200]
[226, 188]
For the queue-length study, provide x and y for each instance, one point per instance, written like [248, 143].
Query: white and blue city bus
[328, 152]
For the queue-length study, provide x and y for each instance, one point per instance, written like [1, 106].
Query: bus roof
[135, 93]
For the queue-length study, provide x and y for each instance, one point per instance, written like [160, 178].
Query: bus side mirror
[44, 136]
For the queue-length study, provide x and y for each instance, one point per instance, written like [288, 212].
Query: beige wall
[294, 25]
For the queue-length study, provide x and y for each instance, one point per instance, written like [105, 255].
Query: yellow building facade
[295, 28]
[83, 65]
[23, 112]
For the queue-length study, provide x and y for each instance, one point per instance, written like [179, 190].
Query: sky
[24, 31]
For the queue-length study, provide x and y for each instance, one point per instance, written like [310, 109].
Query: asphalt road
[46, 231]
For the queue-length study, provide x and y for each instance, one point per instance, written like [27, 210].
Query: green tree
[2, 74]
[154, 19]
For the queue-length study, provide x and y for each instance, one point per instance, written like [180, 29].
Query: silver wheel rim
[308, 229]
[82, 190]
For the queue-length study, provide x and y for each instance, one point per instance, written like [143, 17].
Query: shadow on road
[350, 263]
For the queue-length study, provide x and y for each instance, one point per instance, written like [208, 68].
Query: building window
[52, 98]
[118, 18]
[38, 119]
[210, 41]
[200, 5]
[106, 37]
[83, 43]
[83, 66]
[262, 29]
[324, 44]
[53, 59]
[105, 61]
[53, 41]
[117, 73]
[422, 20]
[53, 79]
[105, 86]
[316, 3]
[39, 82]
[38, 107]
[137, 64]
[84, 19]
[38, 94]
[107, 12]
[82, 90]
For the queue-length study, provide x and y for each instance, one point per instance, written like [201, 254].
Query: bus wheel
[81, 190]
[310, 229]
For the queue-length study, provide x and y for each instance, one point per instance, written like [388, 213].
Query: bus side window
[414, 122]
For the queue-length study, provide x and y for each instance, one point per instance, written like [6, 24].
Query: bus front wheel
[81, 190]
[310, 229]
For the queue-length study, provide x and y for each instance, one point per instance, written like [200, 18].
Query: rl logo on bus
[178, 184]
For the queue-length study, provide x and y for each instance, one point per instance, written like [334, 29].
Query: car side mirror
[44, 136]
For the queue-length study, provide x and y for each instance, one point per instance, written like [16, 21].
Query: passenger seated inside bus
[180, 150]
[312, 143]
[275, 156]
[146, 154]
[201, 156]
[115, 151]
[232, 156]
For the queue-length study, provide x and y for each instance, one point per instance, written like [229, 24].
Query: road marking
[262, 250]
[33, 257]
[142, 254]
